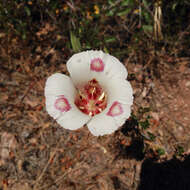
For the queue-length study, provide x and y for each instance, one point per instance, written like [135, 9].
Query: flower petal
[120, 99]
[113, 67]
[105, 123]
[118, 90]
[73, 119]
[87, 65]
[79, 68]
[60, 94]
[59, 84]
[102, 125]
[119, 115]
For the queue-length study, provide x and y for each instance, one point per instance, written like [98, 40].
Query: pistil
[91, 99]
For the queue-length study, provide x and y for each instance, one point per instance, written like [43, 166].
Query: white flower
[97, 94]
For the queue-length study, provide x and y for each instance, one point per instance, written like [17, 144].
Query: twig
[45, 168]
[62, 176]
[28, 90]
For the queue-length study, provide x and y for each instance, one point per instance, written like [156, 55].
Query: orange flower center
[91, 99]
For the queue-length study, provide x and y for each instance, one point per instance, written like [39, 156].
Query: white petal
[73, 119]
[102, 124]
[120, 119]
[120, 99]
[59, 85]
[79, 67]
[118, 90]
[113, 67]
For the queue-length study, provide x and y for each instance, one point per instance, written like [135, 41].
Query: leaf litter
[36, 153]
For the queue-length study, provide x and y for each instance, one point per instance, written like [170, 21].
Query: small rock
[25, 134]
[144, 92]
[155, 116]
[8, 144]
[187, 84]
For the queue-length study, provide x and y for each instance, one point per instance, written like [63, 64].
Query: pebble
[187, 84]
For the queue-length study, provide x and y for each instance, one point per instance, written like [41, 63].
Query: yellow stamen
[102, 96]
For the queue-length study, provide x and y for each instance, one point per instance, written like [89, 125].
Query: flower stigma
[91, 99]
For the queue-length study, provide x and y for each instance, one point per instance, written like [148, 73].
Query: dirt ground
[36, 153]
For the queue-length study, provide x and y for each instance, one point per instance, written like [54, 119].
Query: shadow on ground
[136, 147]
[169, 175]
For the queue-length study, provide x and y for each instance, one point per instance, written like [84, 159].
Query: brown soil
[36, 153]
[166, 90]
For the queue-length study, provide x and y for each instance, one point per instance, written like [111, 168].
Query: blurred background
[116, 26]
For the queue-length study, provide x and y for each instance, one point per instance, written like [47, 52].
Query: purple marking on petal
[62, 104]
[115, 109]
[97, 65]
